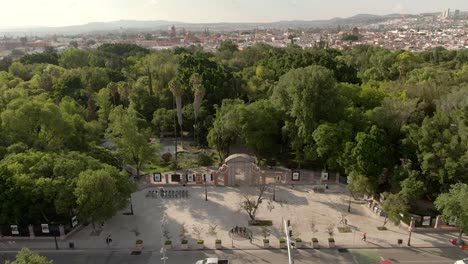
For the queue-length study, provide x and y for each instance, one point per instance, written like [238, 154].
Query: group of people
[168, 193]
[242, 231]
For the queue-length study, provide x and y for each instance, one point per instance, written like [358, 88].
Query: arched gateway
[240, 169]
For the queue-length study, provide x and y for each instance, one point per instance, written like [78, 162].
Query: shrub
[139, 241]
[166, 157]
[298, 240]
[331, 239]
[200, 242]
[266, 240]
[168, 242]
[260, 223]
[314, 240]
[218, 241]
[204, 159]
[184, 241]
[282, 240]
[382, 228]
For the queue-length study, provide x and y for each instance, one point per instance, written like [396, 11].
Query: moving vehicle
[462, 261]
[213, 261]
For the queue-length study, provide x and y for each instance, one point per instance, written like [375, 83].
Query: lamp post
[55, 239]
[410, 232]
[131, 205]
[206, 191]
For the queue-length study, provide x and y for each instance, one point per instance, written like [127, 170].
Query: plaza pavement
[300, 205]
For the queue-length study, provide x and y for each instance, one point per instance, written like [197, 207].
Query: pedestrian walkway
[311, 214]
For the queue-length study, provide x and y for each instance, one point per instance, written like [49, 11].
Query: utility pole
[288, 242]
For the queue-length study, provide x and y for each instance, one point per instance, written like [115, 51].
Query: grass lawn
[365, 256]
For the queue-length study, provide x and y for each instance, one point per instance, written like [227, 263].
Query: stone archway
[240, 169]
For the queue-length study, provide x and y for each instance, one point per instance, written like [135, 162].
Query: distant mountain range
[134, 25]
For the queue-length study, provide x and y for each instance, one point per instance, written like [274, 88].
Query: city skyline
[55, 13]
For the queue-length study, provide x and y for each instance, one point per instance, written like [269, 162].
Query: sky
[22, 13]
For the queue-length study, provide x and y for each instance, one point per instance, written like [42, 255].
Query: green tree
[73, 58]
[100, 194]
[226, 126]
[453, 205]
[254, 119]
[163, 120]
[396, 207]
[131, 140]
[330, 142]
[308, 96]
[26, 256]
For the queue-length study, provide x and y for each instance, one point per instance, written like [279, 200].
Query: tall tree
[453, 205]
[131, 140]
[100, 194]
[177, 90]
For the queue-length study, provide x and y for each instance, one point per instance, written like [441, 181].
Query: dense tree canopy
[393, 121]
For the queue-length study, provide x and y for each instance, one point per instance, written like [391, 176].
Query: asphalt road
[355, 256]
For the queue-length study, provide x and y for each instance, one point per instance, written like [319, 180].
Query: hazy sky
[71, 12]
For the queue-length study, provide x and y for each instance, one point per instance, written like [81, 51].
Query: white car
[462, 261]
[213, 261]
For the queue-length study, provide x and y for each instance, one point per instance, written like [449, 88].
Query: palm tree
[198, 93]
[176, 87]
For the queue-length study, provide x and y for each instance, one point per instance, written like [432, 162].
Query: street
[354, 256]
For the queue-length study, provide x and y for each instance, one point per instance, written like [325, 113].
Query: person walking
[364, 236]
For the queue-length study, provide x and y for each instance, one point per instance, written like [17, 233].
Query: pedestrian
[346, 221]
[250, 238]
[364, 236]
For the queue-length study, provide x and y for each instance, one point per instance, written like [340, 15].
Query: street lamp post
[206, 191]
[55, 239]
[131, 205]
[410, 232]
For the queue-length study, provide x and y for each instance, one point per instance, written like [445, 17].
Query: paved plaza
[301, 205]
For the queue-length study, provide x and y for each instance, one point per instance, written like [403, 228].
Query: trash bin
[71, 244]
[400, 241]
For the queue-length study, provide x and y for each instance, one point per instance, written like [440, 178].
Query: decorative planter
[266, 243]
[299, 243]
[200, 244]
[184, 244]
[315, 243]
[218, 244]
[168, 244]
[331, 242]
[139, 245]
[282, 243]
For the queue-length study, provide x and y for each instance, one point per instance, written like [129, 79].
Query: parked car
[462, 261]
[213, 261]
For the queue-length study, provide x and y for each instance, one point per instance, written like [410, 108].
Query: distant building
[456, 14]
[446, 13]
[173, 33]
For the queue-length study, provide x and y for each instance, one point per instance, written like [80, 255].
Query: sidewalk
[302, 206]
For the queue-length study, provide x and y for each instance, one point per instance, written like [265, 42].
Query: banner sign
[74, 221]
[14, 230]
[45, 228]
